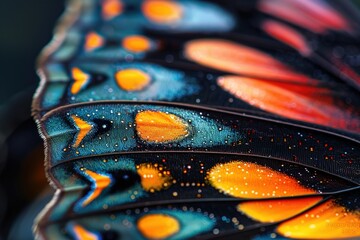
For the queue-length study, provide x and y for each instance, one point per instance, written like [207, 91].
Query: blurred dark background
[25, 28]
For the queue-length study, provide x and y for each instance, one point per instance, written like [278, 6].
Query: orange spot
[136, 43]
[160, 127]
[93, 41]
[101, 182]
[327, 221]
[111, 8]
[278, 100]
[80, 79]
[82, 234]
[132, 79]
[152, 179]
[276, 210]
[287, 35]
[250, 180]
[235, 58]
[158, 226]
[83, 127]
[161, 11]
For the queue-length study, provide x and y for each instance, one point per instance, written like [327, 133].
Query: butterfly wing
[162, 120]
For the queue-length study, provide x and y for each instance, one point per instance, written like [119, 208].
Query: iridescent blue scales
[162, 121]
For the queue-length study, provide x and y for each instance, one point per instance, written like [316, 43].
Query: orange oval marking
[250, 180]
[152, 178]
[287, 35]
[327, 221]
[132, 79]
[93, 41]
[239, 59]
[111, 8]
[158, 226]
[83, 234]
[278, 100]
[136, 43]
[161, 11]
[160, 127]
[276, 210]
[80, 79]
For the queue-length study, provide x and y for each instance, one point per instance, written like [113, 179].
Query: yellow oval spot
[160, 127]
[250, 180]
[276, 210]
[132, 79]
[158, 226]
[152, 178]
[136, 43]
[80, 79]
[161, 11]
[327, 221]
[93, 41]
[111, 8]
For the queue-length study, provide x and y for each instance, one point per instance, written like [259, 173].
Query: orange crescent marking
[101, 182]
[82, 234]
[83, 127]
[80, 79]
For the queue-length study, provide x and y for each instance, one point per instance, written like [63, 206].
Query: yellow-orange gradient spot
[100, 183]
[162, 11]
[111, 8]
[235, 58]
[160, 127]
[80, 79]
[132, 79]
[136, 43]
[153, 178]
[276, 210]
[277, 100]
[83, 127]
[327, 221]
[93, 41]
[250, 180]
[158, 226]
[83, 234]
